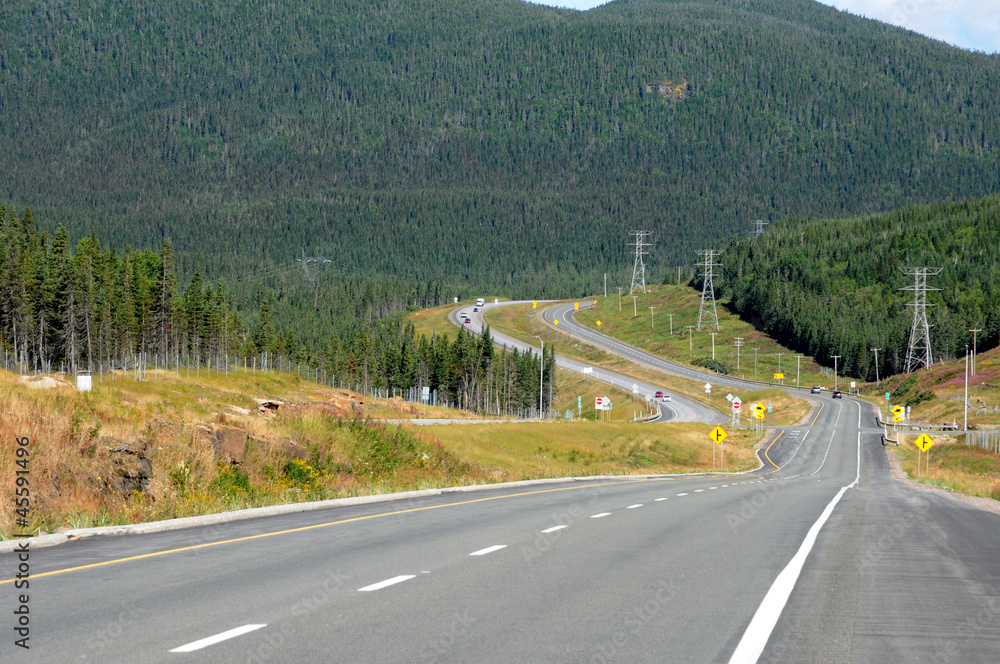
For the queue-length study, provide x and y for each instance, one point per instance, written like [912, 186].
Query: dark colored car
[837, 394]
[659, 395]
[468, 320]
[474, 309]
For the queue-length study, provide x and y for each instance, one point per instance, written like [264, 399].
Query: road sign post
[718, 434]
[923, 443]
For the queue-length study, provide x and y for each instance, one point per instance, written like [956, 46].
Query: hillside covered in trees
[475, 142]
[96, 309]
[832, 287]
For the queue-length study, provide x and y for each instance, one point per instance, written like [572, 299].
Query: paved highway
[679, 409]
[820, 558]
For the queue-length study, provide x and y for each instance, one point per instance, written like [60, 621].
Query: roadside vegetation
[953, 466]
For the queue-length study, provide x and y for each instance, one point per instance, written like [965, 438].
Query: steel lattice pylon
[707, 313]
[639, 267]
[919, 352]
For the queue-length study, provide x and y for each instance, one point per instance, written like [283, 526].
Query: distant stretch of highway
[820, 557]
[679, 409]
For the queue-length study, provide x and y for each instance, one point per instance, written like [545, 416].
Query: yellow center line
[318, 525]
[776, 466]
[817, 413]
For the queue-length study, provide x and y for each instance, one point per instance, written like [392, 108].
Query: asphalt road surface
[820, 557]
[678, 409]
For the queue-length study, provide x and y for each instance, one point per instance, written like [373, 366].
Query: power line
[758, 226]
[639, 267]
[919, 351]
[707, 313]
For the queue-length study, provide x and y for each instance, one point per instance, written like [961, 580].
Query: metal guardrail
[899, 426]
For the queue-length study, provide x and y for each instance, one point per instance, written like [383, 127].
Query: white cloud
[971, 24]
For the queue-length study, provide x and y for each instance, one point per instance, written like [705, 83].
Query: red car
[659, 395]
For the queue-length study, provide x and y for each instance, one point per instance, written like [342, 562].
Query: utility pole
[690, 339]
[835, 358]
[541, 370]
[652, 325]
[639, 266]
[678, 275]
[755, 364]
[798, 371]
[619, 298]
[671, 324]
[972, 369]
[919, 352]
[635, 310]
[605, 285]
[739, 344]
[713, 343]
[779, 362]
[876, 350]
[965, 420]
[707, 312]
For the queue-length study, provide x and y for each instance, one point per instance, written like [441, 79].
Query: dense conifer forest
[94, 308]
[832, 287]
[475, 143]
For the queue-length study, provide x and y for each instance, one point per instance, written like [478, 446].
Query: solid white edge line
[758, 632]
[388, 582]
[489, 549]
[598, 516]
[553, 529]
[211, 640]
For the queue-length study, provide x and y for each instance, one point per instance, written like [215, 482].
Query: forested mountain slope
[832, 287]
[487, 142]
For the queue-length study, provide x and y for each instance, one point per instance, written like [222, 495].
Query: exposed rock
[44, 382]
[132, 468]
[229, 444]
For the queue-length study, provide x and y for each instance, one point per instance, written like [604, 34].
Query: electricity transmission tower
[758, 226]
[707, 313]
[318, 260]
[639, 267]
[919, 352]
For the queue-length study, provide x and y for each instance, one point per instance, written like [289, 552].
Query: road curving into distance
[821, 557]
[679, 409]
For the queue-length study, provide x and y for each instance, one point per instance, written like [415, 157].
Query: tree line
[93, 308]
[835, 286]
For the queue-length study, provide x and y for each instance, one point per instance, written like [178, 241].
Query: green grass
[953, 466]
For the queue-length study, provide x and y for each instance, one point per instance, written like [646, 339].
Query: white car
[666, 397]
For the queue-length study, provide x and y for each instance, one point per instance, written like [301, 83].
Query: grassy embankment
[523, 322]
[936, 395]
[76, 479]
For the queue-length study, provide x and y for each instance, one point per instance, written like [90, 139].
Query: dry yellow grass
[953, 466]
[517, 451]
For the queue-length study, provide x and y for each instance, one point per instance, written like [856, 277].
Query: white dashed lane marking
[489, 549]
[598, 516]
[553, 529]
[211, 640]
[632, 507]
[682, 494]
[388, 582]
[659, 499]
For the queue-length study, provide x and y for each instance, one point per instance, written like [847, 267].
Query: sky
[969, 24]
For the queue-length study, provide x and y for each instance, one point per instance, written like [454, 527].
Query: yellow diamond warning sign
[924, 442]
[718, 435]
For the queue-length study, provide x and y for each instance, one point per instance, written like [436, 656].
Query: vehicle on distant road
[666, 397]
[837, 394]
[480, 302]
[816, 390]
[475, 309]
[468, 320]
[659, 395]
